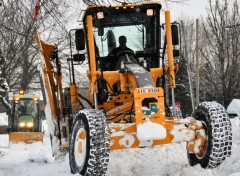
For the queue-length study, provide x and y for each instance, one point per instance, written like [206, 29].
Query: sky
[192, 8]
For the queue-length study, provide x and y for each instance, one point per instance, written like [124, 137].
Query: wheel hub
[80, 147]
[201, 141]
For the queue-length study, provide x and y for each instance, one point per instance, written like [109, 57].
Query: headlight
[22, 124]
[29, 124]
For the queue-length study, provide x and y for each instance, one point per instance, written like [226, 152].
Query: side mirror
[79, 57]
[100, 31]
[175, 37]
[79, 39]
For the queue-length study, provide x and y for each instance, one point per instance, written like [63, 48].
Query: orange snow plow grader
[127, 92]
[25, 123]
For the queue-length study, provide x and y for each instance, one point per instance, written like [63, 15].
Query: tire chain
[99, 142]
[178, 113]
[221, 132]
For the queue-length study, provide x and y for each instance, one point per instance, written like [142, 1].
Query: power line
[55, 18]
[12, 30]
[19, 33]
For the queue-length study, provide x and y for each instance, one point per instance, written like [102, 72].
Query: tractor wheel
[218, 130]
[89, 143]
[178, 113]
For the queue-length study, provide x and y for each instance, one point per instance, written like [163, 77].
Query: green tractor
[25, 122]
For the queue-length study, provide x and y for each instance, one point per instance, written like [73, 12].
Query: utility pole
[197, 63]
[188, 66]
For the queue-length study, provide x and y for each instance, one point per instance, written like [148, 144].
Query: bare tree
[3, 85]
[18, 45]
[187, 63]
[17, 29]
[221, 66]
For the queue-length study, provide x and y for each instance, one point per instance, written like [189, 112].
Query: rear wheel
[89, 144]
[219, 135]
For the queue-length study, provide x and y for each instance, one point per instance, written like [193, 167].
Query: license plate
[147, 91]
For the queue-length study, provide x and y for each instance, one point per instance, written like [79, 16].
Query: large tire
[219, 135]
[89, 143]
[178, 113]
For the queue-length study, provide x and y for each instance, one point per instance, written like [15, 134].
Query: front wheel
[218, 130]
[89, 143]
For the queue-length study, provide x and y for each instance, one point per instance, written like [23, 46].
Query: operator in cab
[124, 54]
[122, 47]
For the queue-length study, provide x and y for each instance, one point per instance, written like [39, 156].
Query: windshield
[26, 106]
[110, 39]
[139, 29]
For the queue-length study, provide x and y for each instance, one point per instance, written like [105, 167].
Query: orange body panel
[74, 98]
[125, 136]
[170, 50]
[159, 116]
[46, 51]
[155, 73]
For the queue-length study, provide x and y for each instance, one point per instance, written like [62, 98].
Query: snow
[199, 141]
[171, 159]
[3, 119]
[234, 107]
[154, 131]
[180, 133]
[49, 115]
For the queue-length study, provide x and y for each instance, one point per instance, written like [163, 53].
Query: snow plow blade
[26, 137]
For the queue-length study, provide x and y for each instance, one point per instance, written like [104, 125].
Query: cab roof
[118, 8]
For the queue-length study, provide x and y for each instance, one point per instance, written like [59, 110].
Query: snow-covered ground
[36, 160]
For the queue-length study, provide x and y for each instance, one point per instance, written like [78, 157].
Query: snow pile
[36, 152]
[4, 141]
[3, 119]
[154, 131]
[51, 120]
[236, 130]
[234, 107]
[38, 157]
[45, 128]
[169, 159]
